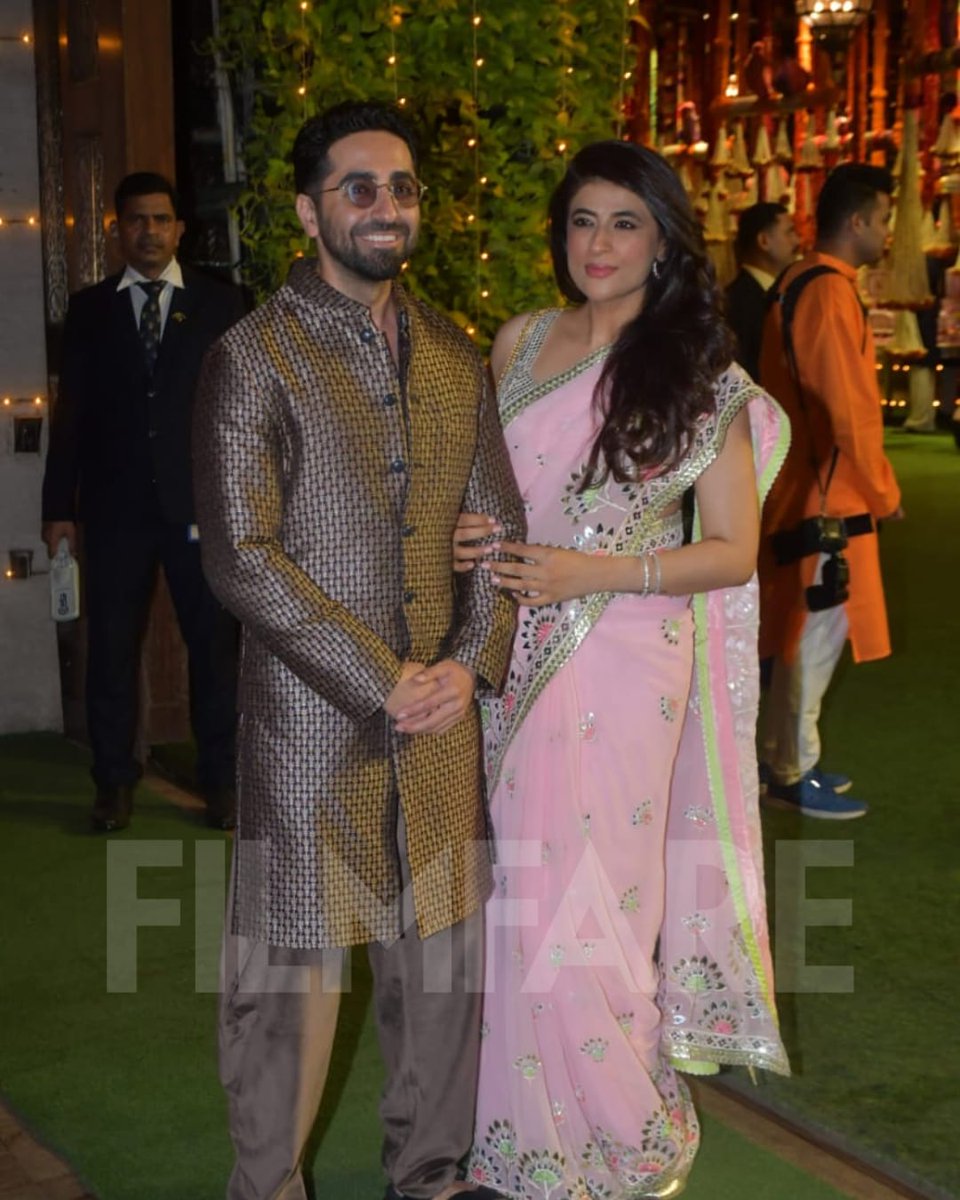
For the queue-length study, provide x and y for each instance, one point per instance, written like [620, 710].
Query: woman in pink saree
[626, 937]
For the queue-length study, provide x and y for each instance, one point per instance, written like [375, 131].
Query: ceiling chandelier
[833, 16]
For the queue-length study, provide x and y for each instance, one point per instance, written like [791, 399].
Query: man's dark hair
[850, 188]
[312, 147]
[756, 219]
[144, 183]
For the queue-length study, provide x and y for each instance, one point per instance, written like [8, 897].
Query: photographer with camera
[819, 562]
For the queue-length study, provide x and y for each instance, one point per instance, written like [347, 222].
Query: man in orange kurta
[830, 394]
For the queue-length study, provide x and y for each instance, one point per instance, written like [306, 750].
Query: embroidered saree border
[629, 539]
[764, 1052]
[532, 337]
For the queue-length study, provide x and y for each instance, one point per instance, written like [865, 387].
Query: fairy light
[304, 44]
[566, 70]
[25, 39]
[473, 143]
[30, 222]
[393, 59]
[625, 75]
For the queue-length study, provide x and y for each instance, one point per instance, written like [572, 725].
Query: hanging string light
[393, 59]
[566, 79]
[626, 73]
[32, 222]
[480, 292]
[303, 57]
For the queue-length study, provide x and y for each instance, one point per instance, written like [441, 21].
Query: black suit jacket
[120, 440]
[746, 309]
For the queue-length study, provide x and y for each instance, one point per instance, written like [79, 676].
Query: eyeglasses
[362, 193]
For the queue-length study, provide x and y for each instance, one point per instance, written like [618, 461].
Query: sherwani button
[389, 400]
[409, 597]
[408, 531]
[367, 336]
[398, 466]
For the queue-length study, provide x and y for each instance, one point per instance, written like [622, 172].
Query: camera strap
[788, 299]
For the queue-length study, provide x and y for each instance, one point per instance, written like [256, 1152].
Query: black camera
[834, 585]
[815, 535]
[830, 534]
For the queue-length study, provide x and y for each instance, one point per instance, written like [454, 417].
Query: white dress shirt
[172, 277]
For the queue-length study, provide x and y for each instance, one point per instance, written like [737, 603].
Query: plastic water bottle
[64, 584]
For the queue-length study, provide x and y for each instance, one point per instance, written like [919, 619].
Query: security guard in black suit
[119, 463]
[766, 244]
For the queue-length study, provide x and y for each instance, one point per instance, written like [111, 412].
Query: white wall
[29, 671]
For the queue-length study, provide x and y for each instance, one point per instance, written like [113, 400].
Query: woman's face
[612, 240]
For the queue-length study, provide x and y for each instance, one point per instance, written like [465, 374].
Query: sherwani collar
[306, 282]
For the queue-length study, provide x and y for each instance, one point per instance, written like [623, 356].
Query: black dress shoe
[221, 808]
[112, 808]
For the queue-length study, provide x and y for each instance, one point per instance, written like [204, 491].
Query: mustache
[381, 227]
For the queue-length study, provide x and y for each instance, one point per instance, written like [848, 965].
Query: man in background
[820, 576]
[766, 244]
[119, 465]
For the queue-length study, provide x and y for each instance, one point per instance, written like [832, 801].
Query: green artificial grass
[879, 1066]
[123, 1084]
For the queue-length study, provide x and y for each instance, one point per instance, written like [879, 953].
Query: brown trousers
[278, 1017]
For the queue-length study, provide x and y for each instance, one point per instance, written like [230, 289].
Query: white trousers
[791, 741]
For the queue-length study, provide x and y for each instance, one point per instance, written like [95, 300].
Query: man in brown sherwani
[341, 429]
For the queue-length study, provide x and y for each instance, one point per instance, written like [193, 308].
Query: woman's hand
[472, 528]
[546, 574]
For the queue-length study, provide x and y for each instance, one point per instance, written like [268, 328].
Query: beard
[368, 262]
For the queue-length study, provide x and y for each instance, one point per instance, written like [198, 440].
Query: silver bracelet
[658, 586]
[646, 576]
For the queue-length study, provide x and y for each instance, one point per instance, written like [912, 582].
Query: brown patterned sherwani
[329, 479]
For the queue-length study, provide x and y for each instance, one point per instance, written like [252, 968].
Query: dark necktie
[150, 321]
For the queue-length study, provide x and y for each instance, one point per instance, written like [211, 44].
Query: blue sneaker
[809, 797]
[832, 779]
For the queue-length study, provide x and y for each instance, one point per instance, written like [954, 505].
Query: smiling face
[360, 247]
[612, 240]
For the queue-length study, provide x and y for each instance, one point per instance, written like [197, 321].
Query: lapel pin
[179, 316]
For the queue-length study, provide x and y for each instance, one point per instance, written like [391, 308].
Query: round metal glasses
[362, 193]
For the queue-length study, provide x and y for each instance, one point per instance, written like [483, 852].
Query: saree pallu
[626, 935]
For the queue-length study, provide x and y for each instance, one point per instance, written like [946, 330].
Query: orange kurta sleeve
[835, 351]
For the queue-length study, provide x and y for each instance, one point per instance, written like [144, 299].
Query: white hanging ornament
[906, 341]
[739, 163]
[762, 155]
[776, 183]
[721, 151]
[810, 157]
[908, 283]
[831, 140]
[782, 149]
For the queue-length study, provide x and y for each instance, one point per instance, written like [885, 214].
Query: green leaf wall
[551, 74]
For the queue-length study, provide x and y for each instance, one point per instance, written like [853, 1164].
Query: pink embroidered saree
[626, 935]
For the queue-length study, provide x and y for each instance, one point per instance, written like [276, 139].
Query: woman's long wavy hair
[659, 376]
